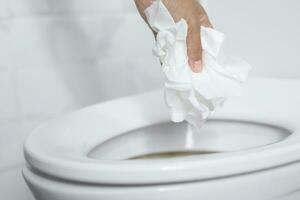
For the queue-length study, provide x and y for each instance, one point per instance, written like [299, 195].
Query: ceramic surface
[65, 155]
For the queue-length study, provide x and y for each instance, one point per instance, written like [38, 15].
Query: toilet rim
[76, 166]
[90, 171]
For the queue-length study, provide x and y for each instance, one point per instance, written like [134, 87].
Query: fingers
[194, 45]
[195, 16]
[194, 48]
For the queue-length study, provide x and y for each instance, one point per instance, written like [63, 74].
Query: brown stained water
[174, 154]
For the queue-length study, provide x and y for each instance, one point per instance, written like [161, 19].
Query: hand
[195, 16]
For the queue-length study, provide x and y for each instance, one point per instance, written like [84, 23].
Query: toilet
[129, 149]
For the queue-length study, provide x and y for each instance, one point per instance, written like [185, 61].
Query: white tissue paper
[193, 96]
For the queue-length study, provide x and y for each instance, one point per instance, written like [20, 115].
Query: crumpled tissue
[194, 96]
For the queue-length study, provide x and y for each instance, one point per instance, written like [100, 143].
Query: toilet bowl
[128, 149]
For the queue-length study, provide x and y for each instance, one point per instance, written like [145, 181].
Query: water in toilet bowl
[174, 154]
[190, 139]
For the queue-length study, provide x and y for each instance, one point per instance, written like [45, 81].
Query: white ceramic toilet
[249, 150]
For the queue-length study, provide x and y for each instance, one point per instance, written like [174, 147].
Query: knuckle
[193, 22]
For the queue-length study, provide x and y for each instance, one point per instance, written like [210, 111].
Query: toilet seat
[60, 147]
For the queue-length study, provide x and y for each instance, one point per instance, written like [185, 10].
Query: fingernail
[196, 66]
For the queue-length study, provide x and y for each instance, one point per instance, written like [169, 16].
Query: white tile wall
[4, 9]
[126, 41]
[5, 44]
[32, 42]
[7, 96]
[12, 180]
[69, 7]
[265, 33]
[12, 136]
[44, 92]
[11, 144]
[124, 76]
[29, 7]
[88, 7]
[84, 39]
